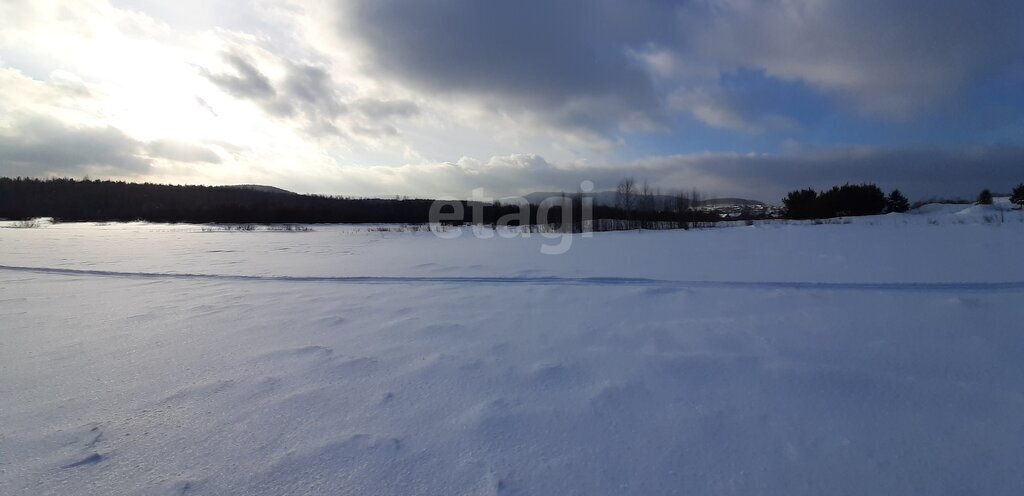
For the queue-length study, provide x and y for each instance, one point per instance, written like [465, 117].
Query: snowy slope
[472, 366]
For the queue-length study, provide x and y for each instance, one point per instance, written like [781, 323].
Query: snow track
[1007, 286]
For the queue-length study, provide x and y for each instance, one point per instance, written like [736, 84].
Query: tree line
[93, 200]
[78, 200]
[862, 199]
[637, 205]
[641, 206]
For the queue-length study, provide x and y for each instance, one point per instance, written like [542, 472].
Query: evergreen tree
[897, 202]
[1017, 197]
[985, 197]
[802, 204]
[845, 200]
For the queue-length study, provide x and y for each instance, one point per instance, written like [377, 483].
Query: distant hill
[607, 199]
[730, 202]
[261, 188]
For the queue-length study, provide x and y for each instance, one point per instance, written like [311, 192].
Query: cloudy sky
[744, 98]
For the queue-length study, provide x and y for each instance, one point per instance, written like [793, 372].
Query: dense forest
[842, 201]
[71, 200]
[85, 200]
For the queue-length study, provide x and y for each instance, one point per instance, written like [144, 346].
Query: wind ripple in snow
[551, 281]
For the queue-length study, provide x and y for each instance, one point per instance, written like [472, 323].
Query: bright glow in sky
[437, 97]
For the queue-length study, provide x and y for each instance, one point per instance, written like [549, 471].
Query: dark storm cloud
[890, 57]
[600, 65]
[579, 62]
[41, 146]
[540, 53]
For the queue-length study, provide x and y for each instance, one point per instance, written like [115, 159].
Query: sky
[432, 98]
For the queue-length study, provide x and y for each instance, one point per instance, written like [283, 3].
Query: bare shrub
[27, 224]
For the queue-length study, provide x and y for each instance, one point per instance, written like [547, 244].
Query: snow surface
[874, 355]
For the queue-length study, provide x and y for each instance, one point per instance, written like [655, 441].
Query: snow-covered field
[880, 356]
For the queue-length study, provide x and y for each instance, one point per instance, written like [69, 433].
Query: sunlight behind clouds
[348, 97]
